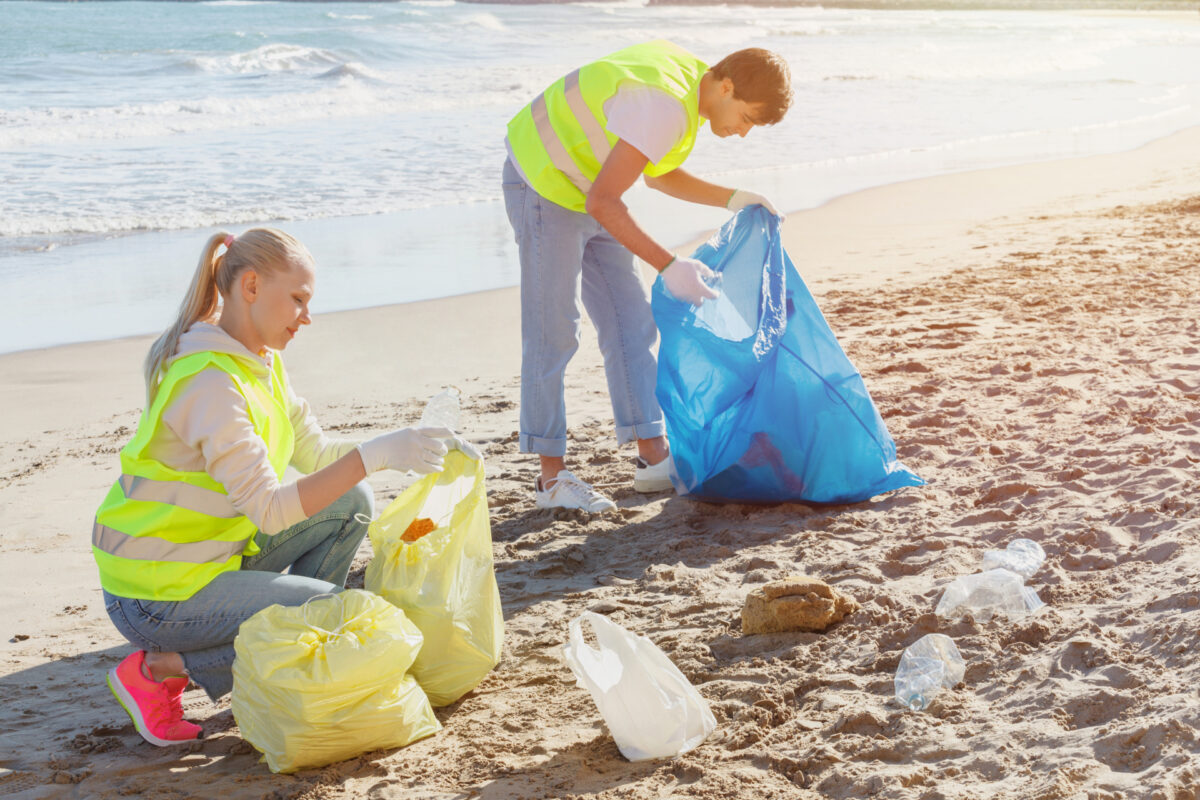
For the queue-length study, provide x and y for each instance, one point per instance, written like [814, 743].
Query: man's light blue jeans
[567, 257]
[202, 628]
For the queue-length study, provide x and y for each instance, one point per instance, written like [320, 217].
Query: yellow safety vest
[561, 139]
[162, 534]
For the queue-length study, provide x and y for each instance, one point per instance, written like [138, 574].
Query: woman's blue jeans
[202, 628]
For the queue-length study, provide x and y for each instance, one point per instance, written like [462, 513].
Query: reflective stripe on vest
[554, 147]
[152, 548]
[593, 129]
[560, 141]
[178, 493]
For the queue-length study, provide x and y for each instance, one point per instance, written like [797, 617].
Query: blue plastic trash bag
[761, 403]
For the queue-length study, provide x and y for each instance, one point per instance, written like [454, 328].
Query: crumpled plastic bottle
[442, 410]
[1022, 556]
[929, 665]
[987, 593]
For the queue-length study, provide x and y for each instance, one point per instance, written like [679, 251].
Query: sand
[1030, 336]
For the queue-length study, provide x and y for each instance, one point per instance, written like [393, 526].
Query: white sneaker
[653, 477]
[567, 491]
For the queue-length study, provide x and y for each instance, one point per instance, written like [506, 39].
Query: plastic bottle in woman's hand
[442, 410]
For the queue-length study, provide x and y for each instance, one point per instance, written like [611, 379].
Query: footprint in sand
[998, 494]
[1137, 749]
[1082, 656]
[1090, 710]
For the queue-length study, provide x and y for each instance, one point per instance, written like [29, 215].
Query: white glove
[741, 198]
[684, 279]
[416, 449]
[457, 442]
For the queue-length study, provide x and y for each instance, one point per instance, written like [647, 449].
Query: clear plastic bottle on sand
[928, 666]
[443, 410]
[985, 594]
[1022, 556]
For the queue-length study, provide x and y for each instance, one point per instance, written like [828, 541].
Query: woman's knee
[360, 500]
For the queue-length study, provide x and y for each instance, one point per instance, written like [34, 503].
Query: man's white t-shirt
[648, 118]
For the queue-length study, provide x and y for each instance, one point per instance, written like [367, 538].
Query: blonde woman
[195, 535]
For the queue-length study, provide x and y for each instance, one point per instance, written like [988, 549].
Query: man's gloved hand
[417, 449]
[741, 198]
[684, 278]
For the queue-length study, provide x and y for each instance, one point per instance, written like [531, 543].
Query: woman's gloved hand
[457, 442]
[684, 279]
[417, 449]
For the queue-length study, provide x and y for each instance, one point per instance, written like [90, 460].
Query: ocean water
[129, 131]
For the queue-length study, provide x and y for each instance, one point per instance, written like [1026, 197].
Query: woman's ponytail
[264, 250]
[200, 303]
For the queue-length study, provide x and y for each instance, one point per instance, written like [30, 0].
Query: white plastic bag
[650, 708]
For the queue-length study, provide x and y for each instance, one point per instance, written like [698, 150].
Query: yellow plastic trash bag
[326, 681]
[443, 578]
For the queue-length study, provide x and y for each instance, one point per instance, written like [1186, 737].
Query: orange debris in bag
[419, 527]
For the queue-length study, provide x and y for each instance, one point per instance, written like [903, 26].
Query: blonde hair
[264, 250]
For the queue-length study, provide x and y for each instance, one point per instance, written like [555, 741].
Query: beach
[1029, 333]
[134, 129]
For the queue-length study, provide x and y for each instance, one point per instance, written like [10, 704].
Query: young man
[573, 152]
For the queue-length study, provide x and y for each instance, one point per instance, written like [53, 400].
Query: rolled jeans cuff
[645, 430]
[211, 670]
[555, 448]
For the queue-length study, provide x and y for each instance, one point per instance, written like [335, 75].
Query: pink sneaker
[154, 707]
